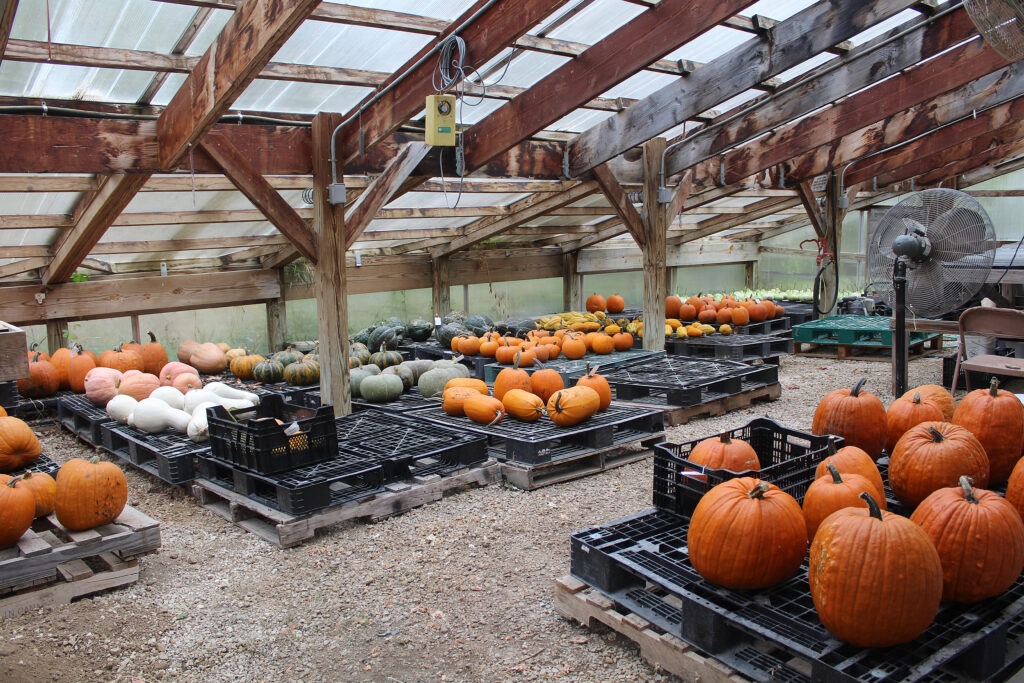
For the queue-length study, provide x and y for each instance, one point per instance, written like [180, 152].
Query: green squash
[302, 373]
[419, 330]
[381, 388]
[268, 371]
[355, 379]
[354, 362]
[361, 352]
[408, 381]
[479, 324]
[386, 358]
[383, 337]
[418, 366]
[288, 356]
[363, 335]
[371, 368]
[450, 331]
[431, 382]
[454, 317]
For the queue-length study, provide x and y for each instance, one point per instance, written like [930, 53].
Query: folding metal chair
[1005, 323]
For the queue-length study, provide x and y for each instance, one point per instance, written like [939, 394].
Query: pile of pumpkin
[877, 578]
[699, 315]
[527, 397]
[290, 366]
[543, 345]
[85, 494]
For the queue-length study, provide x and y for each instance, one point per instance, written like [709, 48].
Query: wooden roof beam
[631, 218]
[93, 215]
[802, 36]
[608, 62]
[264, 197]
[8, 8]
[485, 35]
[860, 68]
[889, 100]
[25, 265]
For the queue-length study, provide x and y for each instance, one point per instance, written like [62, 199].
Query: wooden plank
[258, 191]
[441, 290]
[22, 266]
[490, 29]
[64, 593]
[649, 36]
[93, 216]
[612, 259]
[889, 99]
[631, 218]
[8, 8]
[572, 282]
[811, 207]
[330, 274]
[791, 42]
[13, 344]
[381, 190]
[119, 296]
[862, 67]
[653, 248]
[252, 35]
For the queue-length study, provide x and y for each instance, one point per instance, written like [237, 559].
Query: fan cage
[1001, 24]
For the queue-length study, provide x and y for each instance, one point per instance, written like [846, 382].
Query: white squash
[226, 391]
[198, 429]
[197, 396]
[171, 396]
[121, 407]
[154, 416]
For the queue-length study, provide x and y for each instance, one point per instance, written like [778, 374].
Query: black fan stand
[899, 337]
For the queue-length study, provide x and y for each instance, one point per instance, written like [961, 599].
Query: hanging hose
[826, 287]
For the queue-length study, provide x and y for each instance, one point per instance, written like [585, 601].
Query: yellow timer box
[440, 129]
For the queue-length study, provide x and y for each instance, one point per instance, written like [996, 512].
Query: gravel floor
[459, 590]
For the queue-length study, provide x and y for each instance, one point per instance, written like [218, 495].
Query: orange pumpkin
[42, 380]
[510, 378]
[477, 385]
[672, 304]
[599, 384]
[19, 445]
[78, 368]
[852, 460]
[568, 407]
[740, 316]
[89, 493]
[574, 348]
[483, 409]
[615, 303]
[138, 386]
[122, 360]
[43, 488]
[725, 453]
[453, 399]
[596, 302]
[17, 510]
[602, 344]
[996, 417]
[937, 395]
[523, 405]
[60, 360]
[469, 346]
[154, 355]
[623, 341]
[34, 349]
[506, 355]
[545, 382]
[854, 414]
[904, 413]
[834, 492]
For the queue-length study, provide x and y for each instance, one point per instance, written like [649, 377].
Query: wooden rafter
[608, 62]
[765, 207]
[258, 191]
[811, 207]
[8, 8]
[631, 218]
[23, 266]
[492, 29]
[860, 68]
[790, 42]
[381, 190]
[92, 218]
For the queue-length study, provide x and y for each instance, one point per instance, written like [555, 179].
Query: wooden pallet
[285, 531]
[588, 606]
[871, 352]
[534, 476]
[52, 565]
[677, 415]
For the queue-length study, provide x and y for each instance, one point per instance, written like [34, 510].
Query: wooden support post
[56, 334]
[331, 288]
[750, 274]
[442, 289]
[572, 282]
[656, 228]
[136, 329]
[277, 321]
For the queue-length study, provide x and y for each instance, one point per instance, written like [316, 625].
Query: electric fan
[930, 254]
[1001, 24]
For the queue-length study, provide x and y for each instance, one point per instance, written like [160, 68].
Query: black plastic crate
[169, 456]
[79, 416]
[253, 439]
[40, 464]
[543, 441]
[680, 381]
[38, 408]
[739, 347]
[787, 456]
[9, 396]
[771, 326]
[641, 561]
[347, 477]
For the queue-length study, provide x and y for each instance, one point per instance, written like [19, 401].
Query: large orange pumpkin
[834, 492]
[596, 302]
[545, 382]
[119, 359]
[523, 405]
[19, 445]
[1015, 487]
[860, 561]
[937, 395]
[60, 360]
[483, 409]
[453, 399]
[725, 453]
[934, 455]
[43, 488]
[980, 539]
[154, 355]
[510, 378]
[79, 366]
[904, 413]
[42, 381]
[17, 510]
[89, 493]
[747, 534]
[996, 417]
[672, 305]
[599, 384]
[854, 414]
[568, 407]
[615, 304]
[852, 460]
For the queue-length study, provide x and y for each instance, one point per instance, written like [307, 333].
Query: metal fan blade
[957, 233]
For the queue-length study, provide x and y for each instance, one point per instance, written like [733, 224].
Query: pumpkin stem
[759, 490]
[497, 417]
[515, 363]
[95, 460]
[993, 387]
[832, 450]
[917, 397]
[117, 349]
[966, 485]
[836, 477]
[35, 358]
[725, 438]
[873, 509]
[855, 391]
[936, 435]
[12, 482]
[152, 337]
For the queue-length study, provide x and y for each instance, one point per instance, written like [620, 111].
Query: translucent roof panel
[711, 44]
[883, 26]
[52, 81]
[448, 10]
[596, 21]
[777, 9]
[354, 47]
[129, 24]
